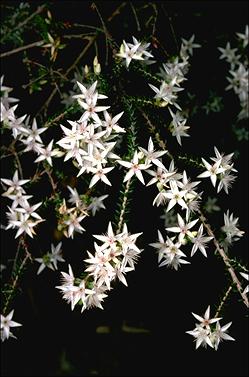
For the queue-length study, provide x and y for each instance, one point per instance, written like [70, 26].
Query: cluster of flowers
[111, 260]
[29, 136]
[182, 192]
[22, 215]
[238, 79]
[173, 73]
[70, 218]
[136, 51]
[205, 334]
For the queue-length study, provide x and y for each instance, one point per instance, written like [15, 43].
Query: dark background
[56, 341]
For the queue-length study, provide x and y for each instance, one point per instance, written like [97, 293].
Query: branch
[125, 197]
[14, 284]
[225, 259]
[223, 301]
[26, 47]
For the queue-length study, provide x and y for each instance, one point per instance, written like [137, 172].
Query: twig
[38, 10]
[152, 129]
[22, 48]
[223, 301]
[53, 184]
[135, 15]
[14, 284]
[117, 11]
[56, 119]
[171, 26]
[125, 197]
[225, 259]
[91, 41]
[107, 34]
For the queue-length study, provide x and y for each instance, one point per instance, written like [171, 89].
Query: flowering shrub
[117, 126]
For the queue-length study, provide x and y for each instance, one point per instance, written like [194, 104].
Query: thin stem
[26, 47]
[107, 34]
[153, 129]
[171, 26]
[225, 259]
[117, 11]
[18, 163]
[56, 119]
[122, 212]
[223, 301]
[135, 15]
[14, 284]
[25, 86]
[53, 184]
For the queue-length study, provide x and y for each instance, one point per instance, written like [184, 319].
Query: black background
[158, 299]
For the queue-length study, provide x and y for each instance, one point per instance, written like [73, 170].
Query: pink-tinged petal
[197, 317]
[227, 337]
[192, 223]
[203, 251]
[101, 108]
[182, 203]
[206, 174]
[207, 165]
[213, 320]
[158, 163]
[128, 175]
[225, 327]
[41, 268]
[207, 313]
[19, 232]
[213, 178]
[105, 179]
[140, 176]
[117, 117]
[94, 180]
[154, 88]
[198, 343]
[208, 341]
[171, 204]
[125, 164]
[180, 221]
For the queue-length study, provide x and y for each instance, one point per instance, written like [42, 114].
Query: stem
[223, 301]
[135, 15]
[125, 197]
[56, 119]
[14, 284]
[225, 259]
[152, 129]
[107, 35]
[117, 11]
[171, 26]
[53, 184]
[26, 47]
